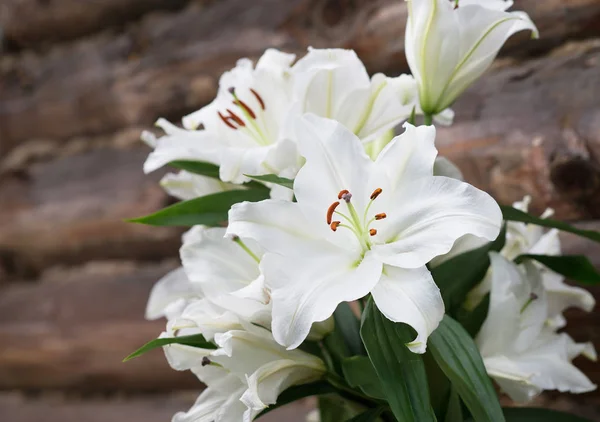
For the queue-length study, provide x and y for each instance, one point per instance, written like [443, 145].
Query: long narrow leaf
[401, 372]
[197, 167]
[359, 372]
[209, 210]
[457, 355]
[196, 340]
[272, 178]
[513, 214]
[574, 267]
[368, 416]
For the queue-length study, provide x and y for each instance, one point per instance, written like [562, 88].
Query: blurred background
[79, 81]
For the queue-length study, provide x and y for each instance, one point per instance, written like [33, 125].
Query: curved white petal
[217, 262]
[265, 384]
[213, 405]
[408, 157]
[185, 185]
[411, 297]
[335, 160]
[180, 144]
[307, 290]
[170, 294]
[561, 296]
[427, 216]
[326, 78]
[278, 226]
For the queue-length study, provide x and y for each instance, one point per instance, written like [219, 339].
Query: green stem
[247, 249]
[428, 119]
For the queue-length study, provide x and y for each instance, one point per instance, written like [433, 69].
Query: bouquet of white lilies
[328, 257]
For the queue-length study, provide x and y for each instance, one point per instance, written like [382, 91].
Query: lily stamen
[245, 107]
[258, 98]
[376, 193]
[372, 232]
[380, 216]
[236, 118]
[334, 225]
[330, 211]
[226, 121]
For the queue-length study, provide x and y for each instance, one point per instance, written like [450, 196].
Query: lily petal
[429, 215]
[411, 297]
[308, 290]
[170, 294]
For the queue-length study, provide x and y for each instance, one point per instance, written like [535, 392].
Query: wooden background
[79, 80]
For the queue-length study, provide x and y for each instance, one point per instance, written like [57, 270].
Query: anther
[206, 361]
[235, 118]
[380, 216]
[372, 232]
[243, 105]
[342, 193]
[226, 121]
[258, 98]
[376, 193]
[334, 225]
[331, 210]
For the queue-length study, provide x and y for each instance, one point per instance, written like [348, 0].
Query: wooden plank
[30, 23]
[532, 128]
[150, 408]
[72, 329]
[168, 65]
[72, 208]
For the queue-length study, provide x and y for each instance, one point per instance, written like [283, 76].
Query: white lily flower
[520, 352]
[171, 294]
[242, 129]
[334, 83]
[185, 185]
[522, 238]
[244, 375]
[361, 227]
[449, 47]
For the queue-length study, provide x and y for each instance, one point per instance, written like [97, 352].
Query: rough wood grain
[151, 408]
[534, 128]
[29, 23]
[72, 329]
[168, 65]
[72, 208]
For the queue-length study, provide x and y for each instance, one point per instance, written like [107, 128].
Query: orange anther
[331, 210]
[243, 105]
[342, 193]
[226, 121]
[258, 98]
[334, 225]
[380, 216]
[376, 193]
[235, 118]
[372, 232]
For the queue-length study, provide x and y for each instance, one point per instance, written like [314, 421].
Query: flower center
[243, 118]
[352, 221]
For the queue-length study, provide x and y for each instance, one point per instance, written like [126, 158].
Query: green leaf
[513, 214]
[574, 267]
[333, 408]
[368, 416]
[209, 210]
[457, 355]
[359, 372]
[454, 409]
[473, 320]
[196, 340]
[197, 167]
[515, 414]
[271, 178]
[401, 372]
[299, 392]
[349, 326]
[457, 276]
